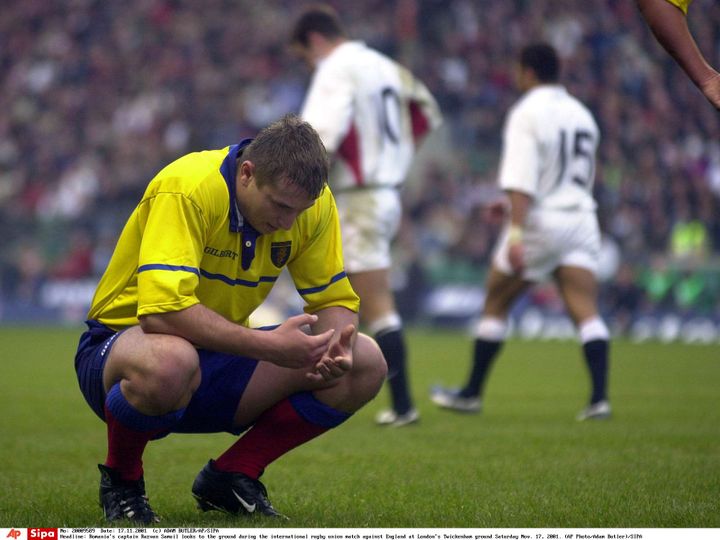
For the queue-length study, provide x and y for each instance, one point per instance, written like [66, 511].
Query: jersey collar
[228, 169]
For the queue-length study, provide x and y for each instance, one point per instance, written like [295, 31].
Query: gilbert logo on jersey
[221, 253]
[280, 253]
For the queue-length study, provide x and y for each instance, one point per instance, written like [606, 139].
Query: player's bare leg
[578, 288]
[158, 373]
[503, 290]
[378, 314]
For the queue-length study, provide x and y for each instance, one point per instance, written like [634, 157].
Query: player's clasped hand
[296, 348]
[338, 359]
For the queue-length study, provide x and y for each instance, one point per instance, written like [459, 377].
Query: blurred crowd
[97, 96]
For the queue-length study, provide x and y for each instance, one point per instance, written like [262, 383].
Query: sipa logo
[43, 534]
[14, 534]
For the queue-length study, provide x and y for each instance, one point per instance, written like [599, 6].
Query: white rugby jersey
[549, 145]
[370, 113]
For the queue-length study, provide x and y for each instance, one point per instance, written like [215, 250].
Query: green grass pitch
[524, 462]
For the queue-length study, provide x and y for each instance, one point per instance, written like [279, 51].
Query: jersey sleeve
[170, 254]
[328, 106]
[317, 270]
[519, 160]
[425, 115]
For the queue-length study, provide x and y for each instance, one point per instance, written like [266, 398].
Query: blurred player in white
[547, 171]
[371, 114]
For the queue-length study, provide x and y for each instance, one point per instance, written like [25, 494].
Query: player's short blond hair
[290, 150]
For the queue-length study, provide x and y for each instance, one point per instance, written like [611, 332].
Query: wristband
[515, 234]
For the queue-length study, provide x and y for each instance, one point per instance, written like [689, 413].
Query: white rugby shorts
[554, 238]
[369, 221]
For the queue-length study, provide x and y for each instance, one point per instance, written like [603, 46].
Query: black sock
[392, 345]
[483, 356]
[596, 357]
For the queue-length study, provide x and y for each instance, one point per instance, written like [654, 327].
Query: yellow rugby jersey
[682, 4]
[187, 243]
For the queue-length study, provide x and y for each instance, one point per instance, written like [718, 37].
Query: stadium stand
[97, 95]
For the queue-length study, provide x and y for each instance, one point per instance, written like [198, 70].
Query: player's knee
[352, 391]
[173, 373]
[369, 362]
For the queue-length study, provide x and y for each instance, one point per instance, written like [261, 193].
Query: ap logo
[13, 534]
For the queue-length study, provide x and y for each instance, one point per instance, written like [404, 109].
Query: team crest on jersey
[280, 253]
